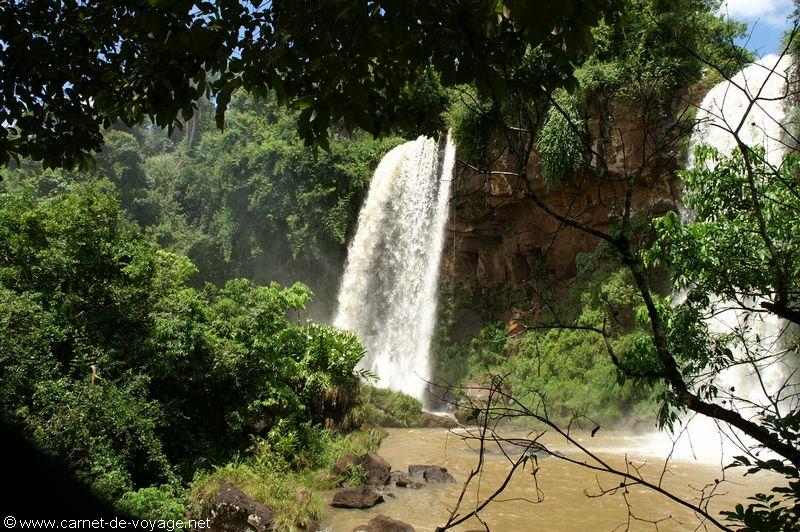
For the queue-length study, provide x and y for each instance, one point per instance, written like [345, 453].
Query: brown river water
[563, 486]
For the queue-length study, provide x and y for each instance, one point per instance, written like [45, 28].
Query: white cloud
[771, 12]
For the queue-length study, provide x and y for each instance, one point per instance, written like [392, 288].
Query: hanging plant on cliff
[561, 140]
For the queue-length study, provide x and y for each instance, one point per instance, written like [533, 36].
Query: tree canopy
[73, 67]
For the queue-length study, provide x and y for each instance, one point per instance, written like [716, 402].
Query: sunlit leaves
[720, 247]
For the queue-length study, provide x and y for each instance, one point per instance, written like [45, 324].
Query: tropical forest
[386, 266]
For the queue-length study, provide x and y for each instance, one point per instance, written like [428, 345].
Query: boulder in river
[406, 482]
[383, 523]
[438, 476]
[416, 470]
[431, 473]
[358, 498]
[376, 468]
[343, 464]
[438, 421]
[230, 509]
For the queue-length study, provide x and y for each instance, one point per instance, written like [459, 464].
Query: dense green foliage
[471, 123]
[723, 251]
[659, 47]
[458, 361]
[739, 249]
[248, 202]
[71, 68]
[187, 371]
[129, 376]
[154, 502]
[569, 371]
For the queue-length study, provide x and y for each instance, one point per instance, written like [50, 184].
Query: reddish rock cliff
[498, 237]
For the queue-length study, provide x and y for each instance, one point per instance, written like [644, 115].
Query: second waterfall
[389, 289]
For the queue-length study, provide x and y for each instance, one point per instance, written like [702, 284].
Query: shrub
[460, 361]
[387, 408]
[154, 502]
[471, 121]
[570, 372]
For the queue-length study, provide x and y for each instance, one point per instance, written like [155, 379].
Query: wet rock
[343, 464]
[406, 482]
[438, 476]
[478, 390]
[431, 473]
[394, 475]
[417, 470]
[383, 523]
[466, 416]
[230, 510]
[358, 498]
[437, 421]
[377, 469]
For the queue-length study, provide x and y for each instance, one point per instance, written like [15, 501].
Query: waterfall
[727, 103]
[742, 385]
[389, 289]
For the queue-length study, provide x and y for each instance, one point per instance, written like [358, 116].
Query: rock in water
[382, 523]
[377, 469]
[402, 480]
[394, 475]
[406, 482]
[431, 473]
[343, 464]
[358, 498]
[416, 470]
[436, 421]
[231, 510]
[438, 476]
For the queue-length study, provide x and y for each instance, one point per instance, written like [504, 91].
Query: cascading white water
[389, 289]
[725, 105]
[746, 384]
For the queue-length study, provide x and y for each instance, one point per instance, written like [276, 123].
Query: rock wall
[500, 243]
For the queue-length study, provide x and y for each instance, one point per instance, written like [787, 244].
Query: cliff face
[500, 243]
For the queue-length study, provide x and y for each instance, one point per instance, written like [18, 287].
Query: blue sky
[766, 19]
